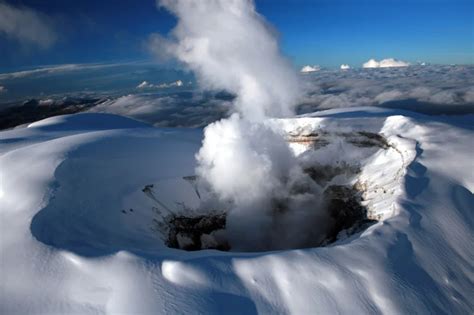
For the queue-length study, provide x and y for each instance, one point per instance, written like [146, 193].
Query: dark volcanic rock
[345, 208]
[188, 232]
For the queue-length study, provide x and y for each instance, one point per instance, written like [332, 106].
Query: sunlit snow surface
[70, 244]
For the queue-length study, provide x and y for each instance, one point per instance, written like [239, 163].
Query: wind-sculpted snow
[76, 219]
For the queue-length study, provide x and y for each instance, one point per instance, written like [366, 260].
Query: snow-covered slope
[76, 230]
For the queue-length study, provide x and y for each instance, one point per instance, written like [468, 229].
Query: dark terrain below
[32, 110]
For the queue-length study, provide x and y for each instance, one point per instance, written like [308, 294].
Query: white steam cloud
[251, 168]
[229, 46]
[385, 63]
[345, 67]
[246, 162]
[239, 141]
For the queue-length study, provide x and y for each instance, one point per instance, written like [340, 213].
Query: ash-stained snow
[77, 229]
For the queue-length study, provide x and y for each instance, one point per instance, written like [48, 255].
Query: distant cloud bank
[309, 68]
[26, 26]
[430, 88]
[385, 63]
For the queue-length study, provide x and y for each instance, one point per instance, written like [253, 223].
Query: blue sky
[324, 32]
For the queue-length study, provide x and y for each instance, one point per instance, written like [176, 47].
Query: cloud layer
[432, 88]
[26, 26]
[195, 110]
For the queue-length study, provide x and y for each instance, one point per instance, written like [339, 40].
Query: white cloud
[335, 101]
[147, 85]
[420, 92]
[3, 89]
[309, 68]
[132, 105]
[443, 97]
[26, 26]
[388, 96]
[39, 71]
[177, 83]
[52, 69]
[46, 102]
[469, 96]
[345, 67]
[372, 63]
[161, 47]
[385, 63]
[144, 85]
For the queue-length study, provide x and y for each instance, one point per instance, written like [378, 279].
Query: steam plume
[229, 46]
[245, 159]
